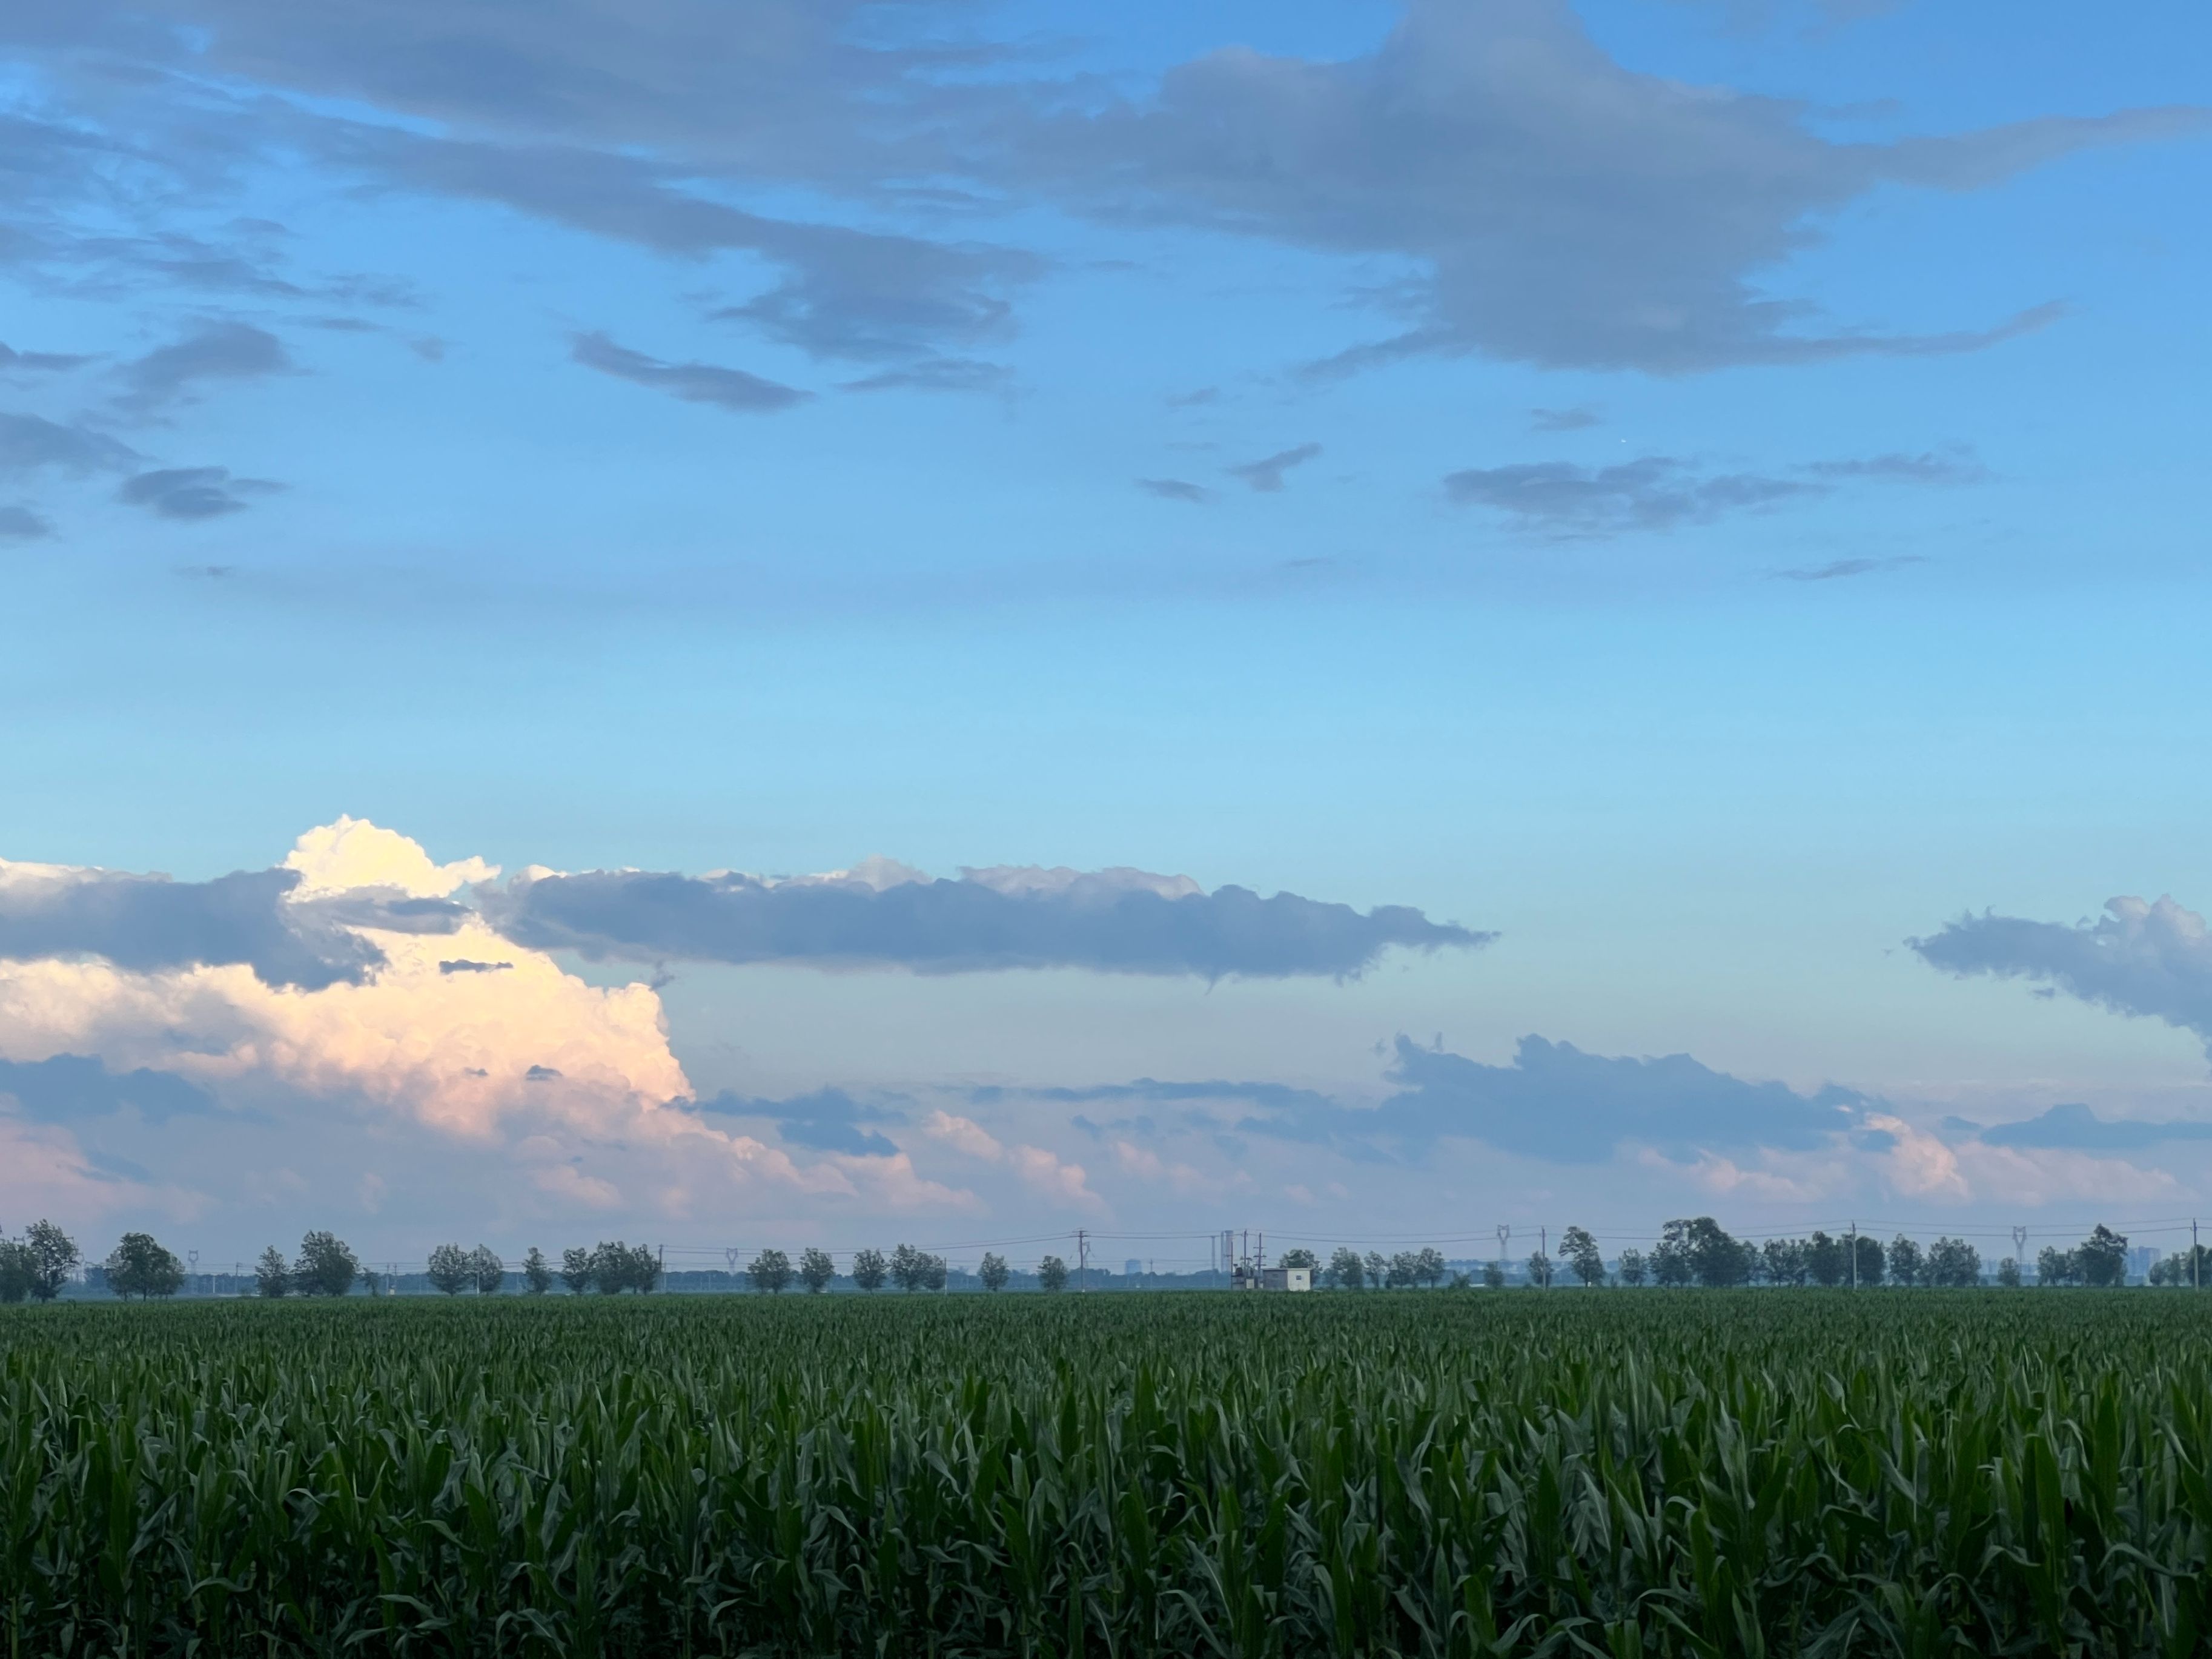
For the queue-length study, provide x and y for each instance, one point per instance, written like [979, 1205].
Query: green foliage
[47, 1256]
[816, 1270]
[1632, 1267]
[1580, 1252]
[1298, 1257]
[536, 1271]
[325, 1267]
[272, 1274]
[1689, 1476]
[1493, 1275]
[576, 1269]
[869, 1269]
[995, 1272]
[139, 1267]
[1346, 1269]
[486, 1271]
[770, 1271]
[448, 1270]
[1052, 1274]
[615, 1266]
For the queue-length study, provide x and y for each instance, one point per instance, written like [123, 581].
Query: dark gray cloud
[37, 361]
[2152, 960]
[191, 492]
[463, 965]
[1266, 474]
[68, 1086]
[1198, 399]
[1840, 569]
[827, 1120]
[1176, 489]
[21, 524]
[1556, 1102]
[146, 923]
[214, 350]
[1576, 419]
[1111, 922]
[938, 374]
[30, 443]
[1655, 492]
[2075, 1127]
[1557, 207]
[695, 383]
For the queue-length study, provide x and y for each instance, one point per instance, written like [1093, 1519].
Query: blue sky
[1689, 499]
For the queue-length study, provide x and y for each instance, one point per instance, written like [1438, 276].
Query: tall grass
[1774, 1472]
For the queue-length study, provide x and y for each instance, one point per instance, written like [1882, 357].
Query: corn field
[1601, 1473]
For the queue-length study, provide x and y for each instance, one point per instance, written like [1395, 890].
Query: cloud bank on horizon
[362, 1008]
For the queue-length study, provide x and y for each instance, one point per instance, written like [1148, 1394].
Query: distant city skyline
[821, 623]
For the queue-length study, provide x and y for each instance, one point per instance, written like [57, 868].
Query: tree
[1052, 1274]
[934, 1272]
[449, 1270]
[486, 1271]
[2184, 1270]
[1826, 1260]
[325, 1267]
[139, 1267]
[1632, 1267]
[1493, 1275]
[993, 1272]
[576, 1270]
[1376, 1268]
[1905, 1263]
[1429, 1266]
[1300, 1257]
[1346, 1269]
[1580, 1251]
[1670, 1257]
[1951, 1264]
[52, 1257]
[617, 1267]
[770, 1271]
[2101, 1259]
[2009, 1274]
[536, 1271]
[1783, 1261]
[2055, 1267]
[869, 1268]
[1400, 1272]
[372, 1281]
[272, 1276]
[15, 1270]
[1701, 1250]
[910, 1267]
[1540, 1270]
[816, 1270]
[1870, 1261]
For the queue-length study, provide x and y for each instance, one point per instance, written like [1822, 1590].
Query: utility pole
[1504, 1243]
[1082, 1261]
[2019, 1249]
[1544, 1247]
[193, 1256]
[1854, 1236]
[2196, 1262]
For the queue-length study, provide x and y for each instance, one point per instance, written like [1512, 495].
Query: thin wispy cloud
[1267, 474]
[1176, 489]
[732, 389]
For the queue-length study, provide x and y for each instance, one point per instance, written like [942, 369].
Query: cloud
[40, 362]
[462, 965]
[1576, 419]
[937, 374]
[66, 1086]
[1653, 493]
[1554, 206]
[1175, 489]
[144, 923]
[1955, 466]
[350, 855]
[1557, 1103]
[214, 350]
[1839, 569]
[1042, 1170]
[190, 493]
[695, 383]
[2075, 1127]
[21, 524]
[1265, 475]
[2152, 960]
[29, 443]
[827, 1120]
[1108, 920]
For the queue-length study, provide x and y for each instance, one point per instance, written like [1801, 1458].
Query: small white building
[1271, 1279]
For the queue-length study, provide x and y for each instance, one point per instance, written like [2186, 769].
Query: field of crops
[1600, 1472]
